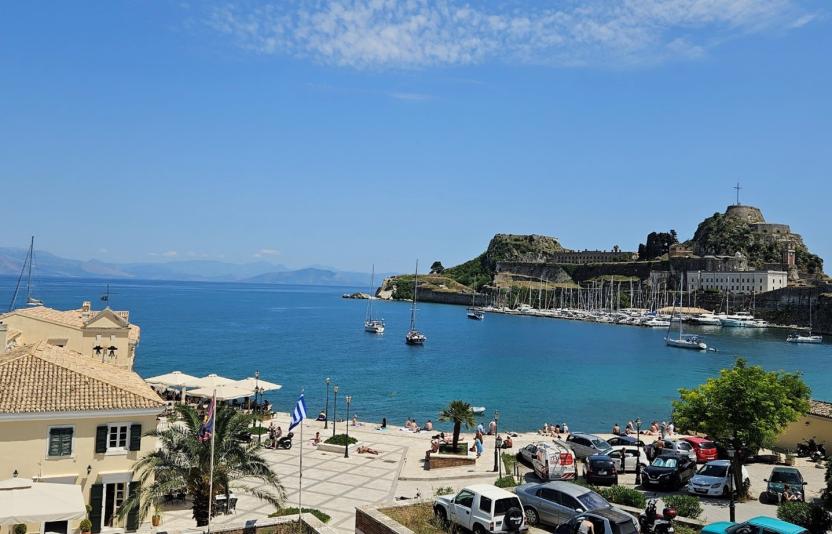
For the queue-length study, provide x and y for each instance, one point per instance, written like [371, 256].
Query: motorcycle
[807, 447]
[285, 442]
[651, 523]
[819, 454]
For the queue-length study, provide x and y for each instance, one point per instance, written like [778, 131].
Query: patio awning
[252, 383]
[175, 379]
[226, 392]
[24, 501]
[213, 380]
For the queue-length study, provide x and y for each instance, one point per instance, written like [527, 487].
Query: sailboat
[413, 336]
[27, 264]
[807, 338]
[473, 312]
[683, 341]
[374, 326]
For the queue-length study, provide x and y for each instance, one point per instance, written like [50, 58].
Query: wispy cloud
[412, 97]
[266, 252]
[422, 33]
[166, 254]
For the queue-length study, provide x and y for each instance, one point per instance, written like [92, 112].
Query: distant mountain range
[48, 265]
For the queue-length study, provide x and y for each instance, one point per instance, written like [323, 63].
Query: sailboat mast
[29, 282]
[413, 304]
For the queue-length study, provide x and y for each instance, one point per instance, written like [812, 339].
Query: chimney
[4, 332]
[86, 306]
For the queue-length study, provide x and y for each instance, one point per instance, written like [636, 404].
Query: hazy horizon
[355, 133]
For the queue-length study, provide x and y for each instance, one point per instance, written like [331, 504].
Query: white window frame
[113, 478]
[72, 446]
[117, 449]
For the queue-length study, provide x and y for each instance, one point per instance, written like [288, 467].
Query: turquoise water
[532, 370]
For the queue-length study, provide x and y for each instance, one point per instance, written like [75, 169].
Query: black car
[669, 471]
[604, 521]
[600, 469]
[624, 439]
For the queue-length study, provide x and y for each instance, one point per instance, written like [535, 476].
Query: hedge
[685, 505]
[341, 439]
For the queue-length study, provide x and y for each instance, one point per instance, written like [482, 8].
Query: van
[554, 461]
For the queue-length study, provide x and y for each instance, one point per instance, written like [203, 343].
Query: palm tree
[183, 462]
[460, 413]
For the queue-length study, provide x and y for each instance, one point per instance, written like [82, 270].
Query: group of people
[655, 429]
[413, 426]
[275, 433]
[554, 431]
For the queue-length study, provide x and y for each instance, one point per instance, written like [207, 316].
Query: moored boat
[372, 325]
[686, 342]
[413, 336]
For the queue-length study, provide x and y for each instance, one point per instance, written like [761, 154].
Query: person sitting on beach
[317, 439]
[428, 425]
[545, 430]
[321, 416]
[671, 428]
[630, 428]
[654, 429]
[507, 443]
[368, 450]
[434, 445]
[354, 420]
[616, 430]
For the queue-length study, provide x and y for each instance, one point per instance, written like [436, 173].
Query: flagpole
[211, 469]
[300, 474]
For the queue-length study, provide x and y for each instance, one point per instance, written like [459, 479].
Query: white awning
[224, 393]
[252, 383]
[24, 501]
[176, 379]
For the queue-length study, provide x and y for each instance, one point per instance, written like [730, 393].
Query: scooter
[285, 442]
[651, 523]
[818, 454]
[807, 448]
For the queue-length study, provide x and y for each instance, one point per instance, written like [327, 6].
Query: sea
[528, 370]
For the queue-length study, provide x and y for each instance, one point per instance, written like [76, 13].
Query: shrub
[809, 516]
[294, 511]
[826, 494]
[20, 528]
[623, 495]
[341, 439]
[505, 482]
[685, 505]
[509, 461]
[85, 525]
[443, 490]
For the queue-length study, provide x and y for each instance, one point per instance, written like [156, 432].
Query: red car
[704, 448]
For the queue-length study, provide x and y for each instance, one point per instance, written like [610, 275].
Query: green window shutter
[66, 442]
[54, 442]
[101, 439]
[96, 498]
[60, 442]
[135, 437]
[133, 515]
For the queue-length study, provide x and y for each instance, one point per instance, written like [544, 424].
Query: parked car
[625, 440]
[553, 503]
[632, 456]
[605, 521]
[712, 479]
[482, 508]
[669, 470]
[600, 469]
[704, 448]
[679, 446]
[587, 444]
[780, 479]
[554, 461]
[755, 525]
[527, 454]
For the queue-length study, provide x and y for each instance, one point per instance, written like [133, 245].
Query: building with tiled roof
[105, 335]
[815, 424]
[68, 418]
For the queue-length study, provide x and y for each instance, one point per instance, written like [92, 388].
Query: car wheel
[763, 496]
[478, 529]
[532, 517]
[441, 515]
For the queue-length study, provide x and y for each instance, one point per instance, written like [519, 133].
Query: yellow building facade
[68, 418]
[815, 424]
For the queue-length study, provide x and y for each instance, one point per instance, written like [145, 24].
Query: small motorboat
[475, 314]
[478, 410]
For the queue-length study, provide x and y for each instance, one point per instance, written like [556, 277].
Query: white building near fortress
[739, 282]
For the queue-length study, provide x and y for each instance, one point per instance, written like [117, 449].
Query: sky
[351, 133]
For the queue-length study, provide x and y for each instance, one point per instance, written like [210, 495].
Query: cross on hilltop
[737, 187]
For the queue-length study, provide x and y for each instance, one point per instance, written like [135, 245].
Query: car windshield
[714, 471]
[593, 501]
[707, 445]
[601, 444]
[664, 462]
[504, 505]
[785, 477]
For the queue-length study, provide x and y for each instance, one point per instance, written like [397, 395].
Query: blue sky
[351, 133]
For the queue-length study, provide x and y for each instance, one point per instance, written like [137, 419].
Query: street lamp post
[731, 503]
[348, 398]
[334, 408]
[498, 446]
[496, 451]
[326, 410]
[638, 448]
[256, 393]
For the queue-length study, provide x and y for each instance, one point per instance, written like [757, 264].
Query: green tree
[182, 462]
[460, 413]
[436, 268]
[746, 407]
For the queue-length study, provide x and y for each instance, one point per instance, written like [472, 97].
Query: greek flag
[299, 413]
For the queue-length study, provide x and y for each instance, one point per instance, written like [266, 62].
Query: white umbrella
[252, 383]
[224, 392]
[24, 501]
[213, 380]
[176, 379]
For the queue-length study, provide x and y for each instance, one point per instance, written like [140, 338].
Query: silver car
[557, 502]
[680, 446]
[584, 445]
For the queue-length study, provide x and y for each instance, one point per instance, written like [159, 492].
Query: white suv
[482, 508]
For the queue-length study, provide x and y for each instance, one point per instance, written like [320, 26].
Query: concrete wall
[809, 426]
[23, 447]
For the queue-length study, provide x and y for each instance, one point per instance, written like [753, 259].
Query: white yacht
[706, 319]
[372, 325]
[686, 342]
